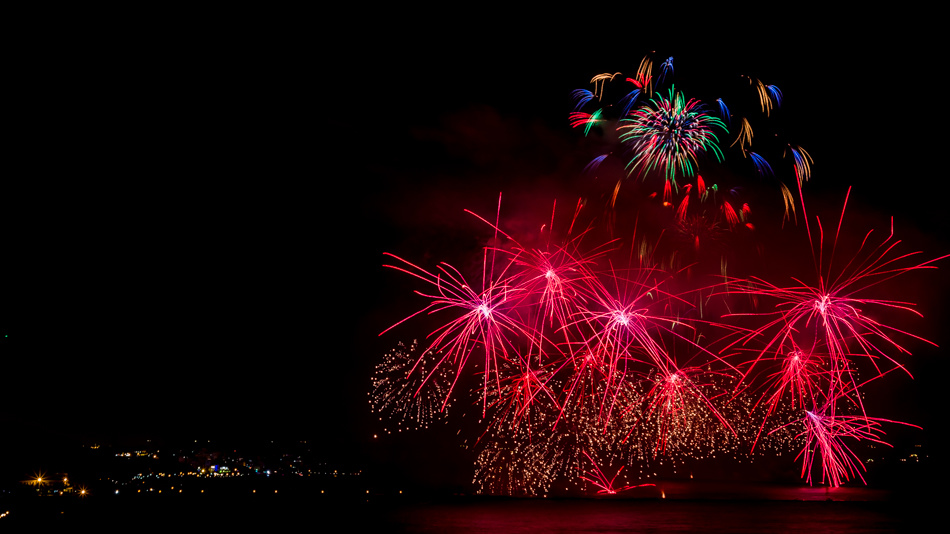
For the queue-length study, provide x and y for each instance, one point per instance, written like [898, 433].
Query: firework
[406, 391]
[587, 120]
[581, 96]
[483, 322]
[665, 68]
[744, 138]
[761, 166]
[523, 391]
[602, 79]
[723, 110]
[599, 479]
[669, 134]
[677, 396]
[833, 319]
[604, 347]
[803, 163]
[826, 435]
[833, 311]
[630, 99]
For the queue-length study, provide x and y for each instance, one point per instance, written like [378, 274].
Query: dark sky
[216, 264]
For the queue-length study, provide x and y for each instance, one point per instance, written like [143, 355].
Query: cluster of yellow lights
[409, 388]
[524, 453]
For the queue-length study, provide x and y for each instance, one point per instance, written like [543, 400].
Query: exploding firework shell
[669, 135]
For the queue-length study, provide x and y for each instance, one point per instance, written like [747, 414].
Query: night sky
[215, 268]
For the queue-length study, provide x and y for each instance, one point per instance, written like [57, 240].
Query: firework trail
[599, 479]
[826, 433]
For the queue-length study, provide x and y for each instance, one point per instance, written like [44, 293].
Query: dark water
[714, 508]
[677, 507]
[812, 517]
